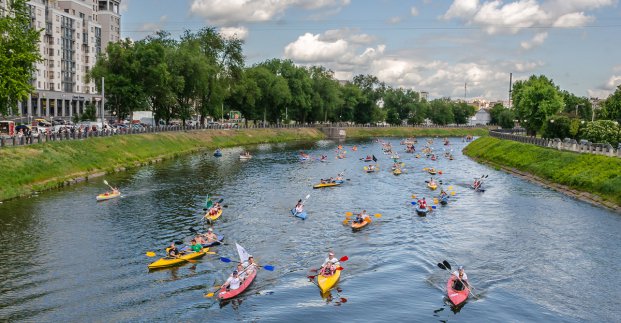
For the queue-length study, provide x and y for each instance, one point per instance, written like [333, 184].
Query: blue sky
[425, 45]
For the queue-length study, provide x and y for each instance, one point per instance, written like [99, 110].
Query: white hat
[210, 229]
[331, 254]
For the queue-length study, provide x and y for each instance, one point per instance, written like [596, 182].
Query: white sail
[243, 254]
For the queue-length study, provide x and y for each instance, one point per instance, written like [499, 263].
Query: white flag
[243, 254]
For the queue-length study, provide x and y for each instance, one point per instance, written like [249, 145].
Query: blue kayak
[301, 215]
[215, 243]
[217, 153]
[444, 200]
[479, 189]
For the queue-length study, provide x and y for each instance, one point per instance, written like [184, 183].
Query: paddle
[342, 259]
[152, 254]
[106, 182]
[219, 201]
[447, 266]
[349, 214]
[266, 267]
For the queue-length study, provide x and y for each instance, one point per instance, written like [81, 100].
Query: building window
[57, 18]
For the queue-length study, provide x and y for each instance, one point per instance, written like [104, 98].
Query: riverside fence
[81, 134]
[567, 144]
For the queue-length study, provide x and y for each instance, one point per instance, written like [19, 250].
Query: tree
[90, 112]
[441, 112]
[558, 126]
[352, 96]
[611, 107]
[274, 93]
[326, 96]
[506, 119]
[420, 112]
[19, 51]
[603, 131]
[462, 112]
[372, 90]
[535, 100]
[580, 107]
[495, 112]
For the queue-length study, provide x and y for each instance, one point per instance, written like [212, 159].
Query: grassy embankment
[38, 167]
[414, 132]
[594, 174]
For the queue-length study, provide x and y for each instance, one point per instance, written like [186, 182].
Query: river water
[532, 254]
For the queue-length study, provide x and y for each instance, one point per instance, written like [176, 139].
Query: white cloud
[234, 32]
[607, 88]
[394, 20]
[351, 35]
[510, 17]
[613, 82]
[234, 12]
[309, 48]
[537, 40]
[572, 20]
[154, 26]
[413, 11]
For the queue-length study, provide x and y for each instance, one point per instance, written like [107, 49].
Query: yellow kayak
[213, 217]
[328, 282]
[432, 186]
[397, 171]
[321, 185]
[172, 261]
[108, 196]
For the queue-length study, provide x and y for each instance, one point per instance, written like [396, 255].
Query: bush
[603, 131]
[505, 119]
[556, 127]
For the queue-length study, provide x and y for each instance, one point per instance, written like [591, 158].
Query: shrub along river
[532, 254]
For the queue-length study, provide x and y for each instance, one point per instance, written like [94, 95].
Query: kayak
[397, 171]
[172, 261]
[213, 217]
[108, 196]
[214, 243]
[301, 215]
[432, 171]
[368, 159]
[479, 189]
[444, 200]
[321, 185]
[228, 294]
[432, 186]
[328, 282]
[217, 153]
[370, 170]
[421, 212]
[456, 296]
[358, 226]
[244, 157]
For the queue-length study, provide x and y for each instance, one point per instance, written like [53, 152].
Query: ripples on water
[531, 253]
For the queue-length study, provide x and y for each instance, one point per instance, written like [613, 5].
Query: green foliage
[441, 112]
[506, 119]
[579, 107]
[90, 112]
[603, 131]
[611, 107]
[585, 172]
[360, 132]
[495, 112]
[535, 100]
[462, 112]
[19, 51]
[558, 126]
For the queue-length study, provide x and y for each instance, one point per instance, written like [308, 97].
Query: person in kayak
[196, 247]
[200, 239]
[329, 265]
[362, 217]
[477, 184]
[233, 282]
[443, 193]
[462, 281]
[299, 208]
[422, 203]
[249, 265]
[172, 251]
[210, 236]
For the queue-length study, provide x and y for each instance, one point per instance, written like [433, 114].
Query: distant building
[481, 117]
[74, 33]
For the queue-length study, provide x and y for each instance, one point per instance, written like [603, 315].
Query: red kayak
[456, 296]
[224, 294]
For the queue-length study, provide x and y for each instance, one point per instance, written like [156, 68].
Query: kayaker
[233, 282]
[432, 182]
[240, 272]
[299, 208]
[172, 251]
[329, 265]
[199, 239]
[443, 193]
[196, 247]
[462, 282]
[422, 203]
[211, 237]
[249, 265]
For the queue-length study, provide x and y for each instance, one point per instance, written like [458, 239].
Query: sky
[458, 49]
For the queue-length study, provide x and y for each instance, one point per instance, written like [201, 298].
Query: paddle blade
[340, 268]
[450, 188]
[343, 300]
[345, 221]
[224, 259]
[150, 254]
[442, 266]
[413, 196]
[310, 277]
[344, 258]
[413, 202]
[453, 193]
[307, 196]
[209, 295]
[378, 215]
[440, 172]
[348, 214]
[106, 182]
[268, 268]
[210, 252]
[446, 263]
[433, 207]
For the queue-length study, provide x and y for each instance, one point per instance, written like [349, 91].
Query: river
[532, 254]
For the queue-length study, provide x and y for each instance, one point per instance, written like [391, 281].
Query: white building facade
[74, 33]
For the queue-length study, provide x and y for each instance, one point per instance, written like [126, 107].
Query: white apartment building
[73, 33]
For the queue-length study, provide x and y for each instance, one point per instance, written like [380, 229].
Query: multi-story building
[74, 33]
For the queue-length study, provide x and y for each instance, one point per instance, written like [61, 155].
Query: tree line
[204, 74]
[543, 109]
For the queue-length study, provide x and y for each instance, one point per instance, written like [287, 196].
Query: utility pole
[465, 91]
[510, 88]
[103, 99]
